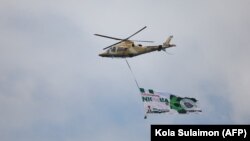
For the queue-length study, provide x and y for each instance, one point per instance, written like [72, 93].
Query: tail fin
[167, 42]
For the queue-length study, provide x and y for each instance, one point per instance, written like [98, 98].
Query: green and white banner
[158, 102]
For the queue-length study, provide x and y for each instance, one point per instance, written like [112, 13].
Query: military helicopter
[127, 48]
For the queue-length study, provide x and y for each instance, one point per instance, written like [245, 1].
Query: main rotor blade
[120, 39]
[136, 32]
[107, 37]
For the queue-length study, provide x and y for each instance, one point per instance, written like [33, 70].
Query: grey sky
[54, 86]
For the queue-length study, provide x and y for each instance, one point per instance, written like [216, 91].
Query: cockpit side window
[113, 49]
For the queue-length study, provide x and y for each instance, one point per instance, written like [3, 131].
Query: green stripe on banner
[151, 91]
[142, 90]
[175, 104]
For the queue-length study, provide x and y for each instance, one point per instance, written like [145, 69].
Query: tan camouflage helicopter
[127, 48]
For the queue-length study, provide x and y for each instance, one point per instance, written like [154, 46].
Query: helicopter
[127, 48]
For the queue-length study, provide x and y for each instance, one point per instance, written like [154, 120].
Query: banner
[158, 102]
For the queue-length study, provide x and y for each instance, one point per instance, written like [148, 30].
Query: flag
[159, 102]
[184, 105]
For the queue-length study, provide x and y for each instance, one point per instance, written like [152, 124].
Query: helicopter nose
[101, 54]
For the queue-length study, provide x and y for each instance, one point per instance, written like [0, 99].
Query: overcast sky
[54, 86]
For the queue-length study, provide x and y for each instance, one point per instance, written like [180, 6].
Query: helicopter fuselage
[124, 50]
